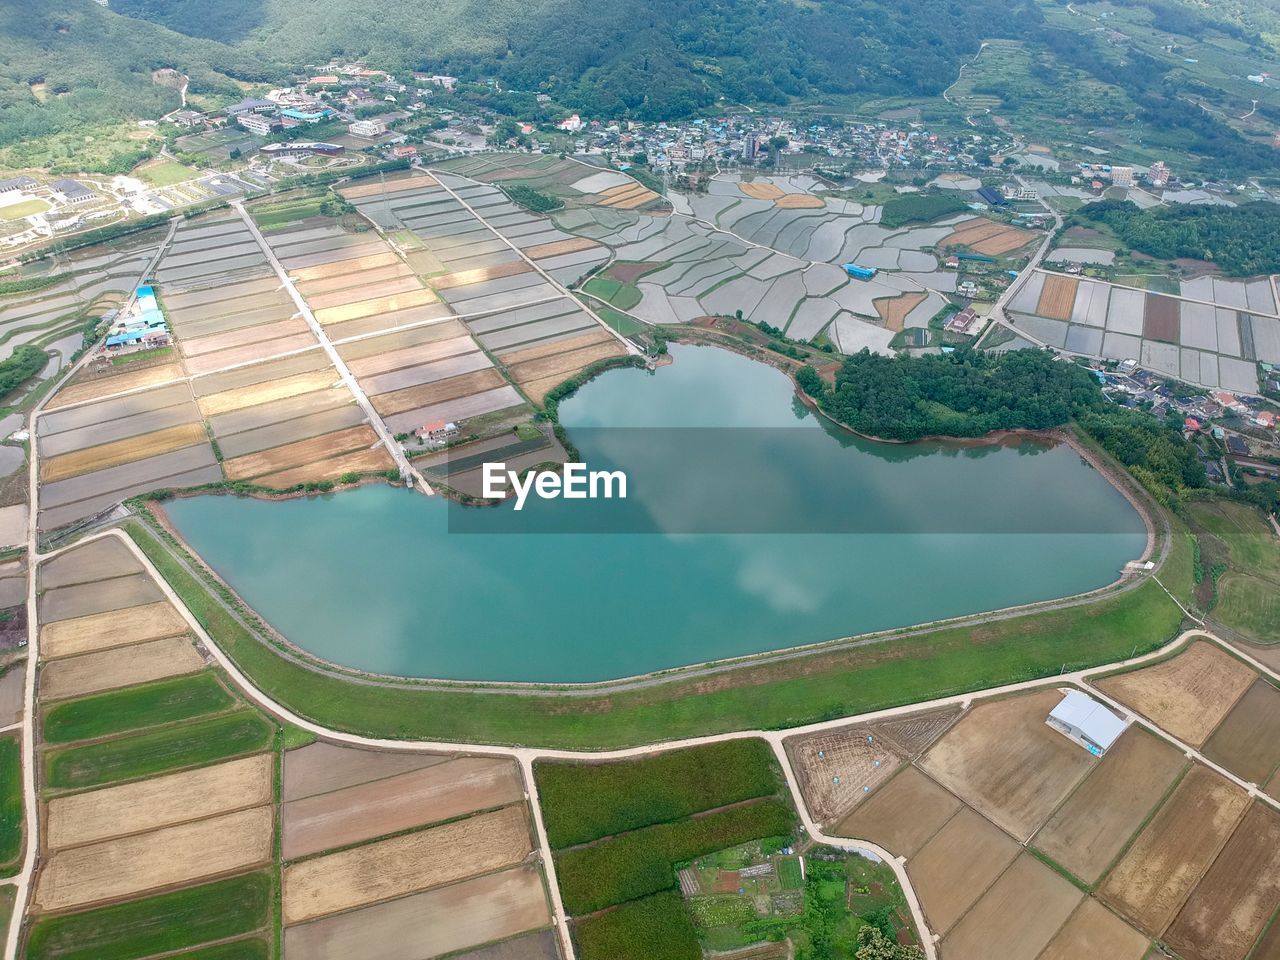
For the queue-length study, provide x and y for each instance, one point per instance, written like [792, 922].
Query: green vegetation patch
[164, 173]
[23, 364]
[133, 708]
[623, 324]
[239, 950]
[269, 216]
[531, 199]
[585, 801]
[1240, 568]
[634, 865]
[10, 804]
[149, 754]
[655, 928]
[907, 208]
[23, 208]
[624, 296]
[171, 921]
[29, 284]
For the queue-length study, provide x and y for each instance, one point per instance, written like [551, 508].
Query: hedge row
[637, 864]
[584, 802]
[655, 928]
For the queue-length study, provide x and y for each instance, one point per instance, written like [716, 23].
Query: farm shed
[1087, 721]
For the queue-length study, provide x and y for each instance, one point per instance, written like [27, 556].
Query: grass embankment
[1239, 561]
[764, 695]
[134, 708]
[171, 921]
[10, 806]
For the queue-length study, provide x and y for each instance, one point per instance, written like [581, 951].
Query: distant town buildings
[1159, 175]
[258, 123]
[1122, 176]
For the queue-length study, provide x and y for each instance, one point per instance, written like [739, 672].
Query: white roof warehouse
[1085, 720]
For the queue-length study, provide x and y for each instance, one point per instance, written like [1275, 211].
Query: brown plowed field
[835, 767]
[1017, 917]
[300, 453]
[538, 377]
[329, 284]
[121, 667]
[87, 563]
[635, 200]
[1236, 898]
[103, 631]
[1095, 933]
[902, 815]
[588, 339]
[631, 271]
[1162, 318]
[799, 201]
[223, 359]
[160, 802]
[401, 340]
[1248, 741]
[953, 869]
[893, 310]
[404, 185]
[431, 924]
[1269, 945]
[1011, 239]
[342, 268]
[243, 337]
[987, 237]
[368, 308]
[1057, 297]
[273, 414]
[150, 861]
[100, 596]
[258, 393]
[323, 767]
[362, 292]
[375, 460]
[1152, 880]
[1006, 762]
[410, 398]
[413, 356]
[556, 248]
[1088, 831]
[122, 451]
[914, 733]
[269, 370]
[116, 383]
[430, 795]
[761, 190]
[405, 864]
[1187, 696]
[465, 278]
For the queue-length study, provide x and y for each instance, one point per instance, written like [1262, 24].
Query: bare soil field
[377, 305]
[430, 795]
[1094, 931]
[1007, 763]
[103, 631]
[88, 562]
[12, 693]
[399, 401]
[230, 427]
[1005, 242]
[121, 451]
[105, 386]
[953, 869]
[375, 460]
[258, 393]
[1091, 828]
[415, 356]
[893, 310]
[131, 865]
[1017, 917]
[902, 815]
[1230, 906]
[1162, 318]
[243, 337]
[1269, 946]
[556, 248]
[1247, 742]
[401, 340]
[100, 596]
[465, 278]
[414, 182]
[430, 924]
[539, 377]
[405, 864]
[437, 371]
[344, 268]
[258, 373]
[972, 230]
[631, 271]
[637, 199]
[533, 946]
[300, 453]
[92, 414]
[223, 359]
[160, 802]
[799, 201]
[364, 291]
[1187, 696]
[1058, 297]
[837, 768]
[121, 667]
[761, 190]
[392, 271]
[591, 338]
[1151, 881]
[323, 767]
[916, 732]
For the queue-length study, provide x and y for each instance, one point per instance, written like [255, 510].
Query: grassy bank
[768, 694]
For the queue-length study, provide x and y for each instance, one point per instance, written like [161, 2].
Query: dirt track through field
[120, 667]
[405, 864]
[1095, 933]
[102, 631]
[902, 815]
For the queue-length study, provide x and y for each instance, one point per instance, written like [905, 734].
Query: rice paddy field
[1022, 844]
[1210, 332]
[177, 815]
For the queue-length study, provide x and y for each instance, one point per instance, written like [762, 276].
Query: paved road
[407, 469]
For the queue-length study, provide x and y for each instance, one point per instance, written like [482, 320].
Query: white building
[367, 128]
[1086, 721]
[258, 123]
[1122, 176]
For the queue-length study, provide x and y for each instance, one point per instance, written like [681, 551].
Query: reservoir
[750, 525]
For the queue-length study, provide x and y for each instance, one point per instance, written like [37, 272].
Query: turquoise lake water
[749, 526]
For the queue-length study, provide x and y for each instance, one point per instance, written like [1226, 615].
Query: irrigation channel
[750, 525]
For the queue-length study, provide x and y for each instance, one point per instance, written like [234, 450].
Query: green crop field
[620, 322]
[171, 921]
[134, 708]
[586, 801]
[10, 804]
[655, 928]
[253, 949]
[148, 754]
[624, 296]
[164, 173]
